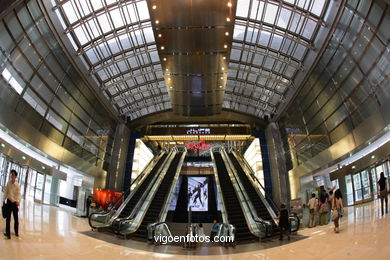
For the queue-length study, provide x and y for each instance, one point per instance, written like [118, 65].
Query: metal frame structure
[115, 41]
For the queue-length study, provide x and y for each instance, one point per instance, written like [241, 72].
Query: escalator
[139, 192]
[232, 205]
[254, 197]
[157, 204]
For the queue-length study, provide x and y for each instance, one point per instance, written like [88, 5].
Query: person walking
[12, 199]
[284, 222]
[313, 205]
[382, 190]
[323, 209]
[337, 209]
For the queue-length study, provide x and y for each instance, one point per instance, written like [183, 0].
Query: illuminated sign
[198, 146]
[199, 131]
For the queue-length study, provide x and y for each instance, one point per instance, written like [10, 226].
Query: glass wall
[38, 81]
[349, 83]
[33, 184]
[362, 186]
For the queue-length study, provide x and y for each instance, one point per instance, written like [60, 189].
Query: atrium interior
[194, 128]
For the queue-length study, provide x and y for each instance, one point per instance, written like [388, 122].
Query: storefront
[361, 186]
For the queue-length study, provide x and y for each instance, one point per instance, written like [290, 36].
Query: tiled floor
[54, 233]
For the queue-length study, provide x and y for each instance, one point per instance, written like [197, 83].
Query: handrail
[246, 203]
[116, 205]
[151, 229]
[164, 211]
[254, 178]
[225, 218]
[140, 209]
[292, 216]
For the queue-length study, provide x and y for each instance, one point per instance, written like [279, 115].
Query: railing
[256, 224]
[168, 200]
[269, 203]
[158, 229]
[227, 230]
[131, 223]
[105, 218]
[220, 195]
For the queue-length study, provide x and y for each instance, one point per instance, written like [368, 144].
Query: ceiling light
[170, 87]
[353, 167]
[3, 145]
[43, 167]
[223, 68]
[24, 157]
[165, 59]
[227, 19]
[159, 35]
[169, 78]
[220, 86]
[154, 7]
[221, 77]
[229, 4]
[224, 58]
[372, 156]
[162, 48]
[225, 46]
[157, 21]
[166, 69]
[227, 33]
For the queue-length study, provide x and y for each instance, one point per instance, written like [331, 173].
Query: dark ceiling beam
[226, 116]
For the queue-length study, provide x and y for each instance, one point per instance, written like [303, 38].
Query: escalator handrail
[257, 219]
[132, 218]
[128, 191]
[253, 176]
[219, 190]
[164, 211]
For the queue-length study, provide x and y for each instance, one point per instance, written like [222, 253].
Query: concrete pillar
[277, 158]
[116, 170]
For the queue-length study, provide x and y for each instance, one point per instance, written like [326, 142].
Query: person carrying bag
[337, 209]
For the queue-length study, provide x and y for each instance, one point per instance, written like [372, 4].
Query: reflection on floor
[48, 232]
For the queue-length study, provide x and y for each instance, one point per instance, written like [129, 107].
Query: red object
[106, 197]
[198, 146]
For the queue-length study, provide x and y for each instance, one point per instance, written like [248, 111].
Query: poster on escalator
[198, 193]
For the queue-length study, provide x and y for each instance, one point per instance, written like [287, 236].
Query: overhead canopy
[116, 43]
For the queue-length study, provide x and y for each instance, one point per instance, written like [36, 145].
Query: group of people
[321, 206]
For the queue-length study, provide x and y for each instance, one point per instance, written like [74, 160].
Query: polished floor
[48, 232]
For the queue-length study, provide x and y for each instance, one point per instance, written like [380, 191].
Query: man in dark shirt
[284, 222]
[382, 190]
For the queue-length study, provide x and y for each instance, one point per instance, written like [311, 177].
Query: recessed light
[353, 167]
[220, 86]
[165, 59]
[229, 4]
[24, 157]
[166, 69]
[3, 145]
[154, 7]
[223, 68]
[157, 21]
[225, 46]
[227, 33]
[159, 35]
[221, 77]
[162, 48]
[169, 78]
[227, 19]
[224, 58]
[43, 167]
[171, 87]
[372, 156]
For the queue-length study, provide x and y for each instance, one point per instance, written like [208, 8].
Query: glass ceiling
[115, 41]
